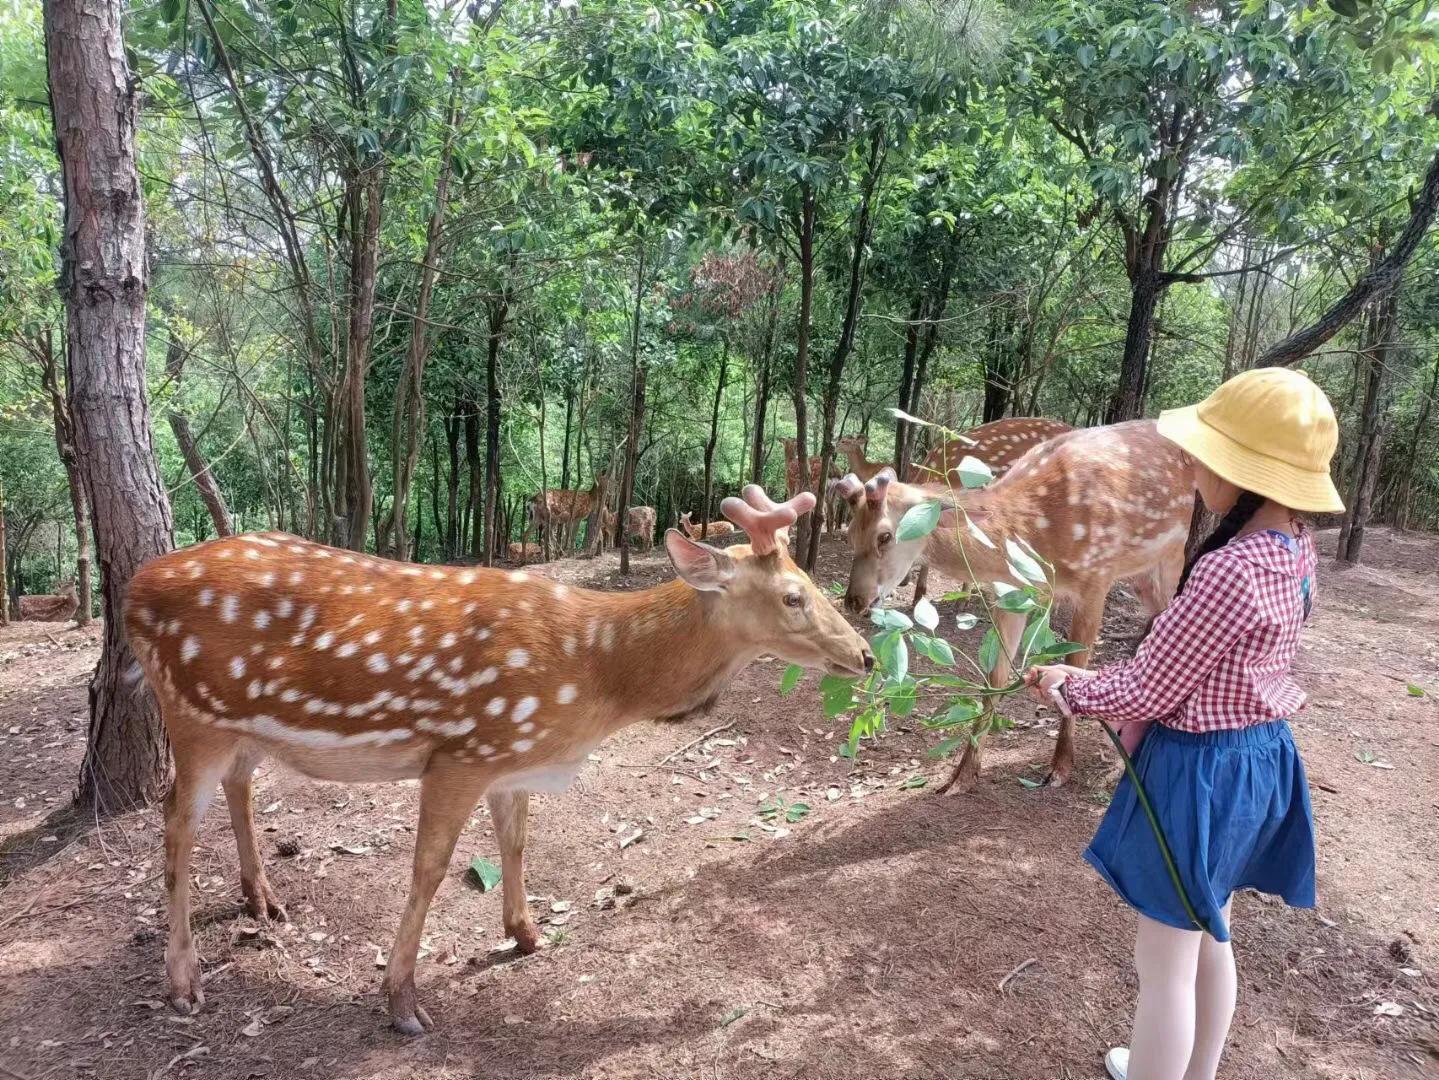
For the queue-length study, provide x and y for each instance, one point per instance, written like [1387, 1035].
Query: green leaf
[925, 614]
[1058, 651]
[948, 746]
[974, 473]
[1037, 636]
[934, 649]
[484, 873]
[1365, 757]
[966, 620]
[1348, 8]
[989, 650]
[913, 782]
[919, 521]
[1415, 691]
[890, 619]
[903, 699]
[960, 711]
[796, 812]
[1022, 565]
[978, 533]
[956, 594]
[892, 654]
[1027, 782]
[792, 675]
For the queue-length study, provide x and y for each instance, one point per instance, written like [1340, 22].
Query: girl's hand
[1043, 682]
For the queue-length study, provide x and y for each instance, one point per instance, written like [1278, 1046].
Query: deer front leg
[448, 793]
[1083, 628]
[261, 900]
[198, 769]
[510, 811]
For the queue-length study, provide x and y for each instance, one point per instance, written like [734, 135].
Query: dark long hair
[1244, 508]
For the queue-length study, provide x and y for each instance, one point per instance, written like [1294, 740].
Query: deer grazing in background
[1102, 504]
[561, 510]
[478, 682]
[853, 447]
[522, 551]
[716, 528]
[59, 606]
[794, 483]
[641, 526]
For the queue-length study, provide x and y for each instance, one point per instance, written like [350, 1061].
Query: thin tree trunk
[409, 413]
[1371, 432]
[710, 445]
[637, 414]
[102, 281]
[902, 427]
[195, 465]
[435, 491]
[766, 375]
[1128, 400]
[356, 493]
[499, 309]
[801, 355]
[475, 499]
[453, 427]
[1383, 278]
[4, 576]
[79, 502]
[1410, 460]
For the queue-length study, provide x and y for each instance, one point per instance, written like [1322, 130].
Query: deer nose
[868, 656]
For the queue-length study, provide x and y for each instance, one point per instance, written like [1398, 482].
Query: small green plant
[778, 808]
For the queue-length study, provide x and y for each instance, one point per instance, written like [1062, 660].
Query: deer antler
[766, 521]
[878, 485]
[848, 487]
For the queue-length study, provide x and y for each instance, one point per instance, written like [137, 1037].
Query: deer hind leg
[261, 900]
[200, 762]
[1083, 628]
[448, 793]
[510, 811]
[1010, 626]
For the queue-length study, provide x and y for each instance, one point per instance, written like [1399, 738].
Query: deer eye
[793, 599]
[885, 538]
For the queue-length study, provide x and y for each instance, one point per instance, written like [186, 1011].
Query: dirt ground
[889, 933]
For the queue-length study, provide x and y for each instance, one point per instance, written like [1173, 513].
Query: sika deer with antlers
[1101, 504]
[477, 682]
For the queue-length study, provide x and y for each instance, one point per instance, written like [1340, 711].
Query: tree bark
[1409, 461]
[1371, 430]
[1128, 400]
[195, 465]
[102, 281]
[710, 445]
[637, 414]
[902, 428]
[79, 502]
[499, 310]
[4, 577]
[765, 377]
[805, 230]
[453, 429]
[1380, 280]
[353, 488]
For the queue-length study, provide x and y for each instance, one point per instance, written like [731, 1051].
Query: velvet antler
[766, 521]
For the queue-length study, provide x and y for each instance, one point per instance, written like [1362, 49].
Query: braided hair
[1244, 508]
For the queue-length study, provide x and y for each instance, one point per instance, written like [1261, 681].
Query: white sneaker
[1116, 1063]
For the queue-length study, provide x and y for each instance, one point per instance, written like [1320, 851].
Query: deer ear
[698, 565]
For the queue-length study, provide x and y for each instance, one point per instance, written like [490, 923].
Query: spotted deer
[854, 447]
[793, 481]
[716, 528]
[1101, 504]
[477, 682]
[999, 444]
[641, 526]
[59, 606]
[563, 509]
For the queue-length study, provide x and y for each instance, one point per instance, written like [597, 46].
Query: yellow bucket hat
[1269, 430]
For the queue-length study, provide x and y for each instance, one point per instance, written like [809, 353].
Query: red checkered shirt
[1219, 656]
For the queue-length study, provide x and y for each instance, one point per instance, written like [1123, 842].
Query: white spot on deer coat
[519, 746]
[262, 619]
[237, 667]
[189, 649]
[325, 640]
[517, 658]
[495, 706]
[206, 597]
[378, 662]
[566, 694]
[229, 609]
[525, 708]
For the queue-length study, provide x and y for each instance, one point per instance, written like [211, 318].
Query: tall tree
[103, 284]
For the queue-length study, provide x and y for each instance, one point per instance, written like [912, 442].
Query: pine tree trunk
[79, 502]
[1128, 400]
[102, 281]
[4, 577]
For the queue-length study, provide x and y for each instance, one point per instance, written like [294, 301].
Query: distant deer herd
[496, 683]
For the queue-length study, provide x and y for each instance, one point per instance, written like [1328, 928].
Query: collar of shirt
[1270, 551]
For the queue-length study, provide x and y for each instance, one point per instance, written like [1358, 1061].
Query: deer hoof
[262, 903]
[526, 935]
[1057, 777]
[186, 995]
[407, 1016]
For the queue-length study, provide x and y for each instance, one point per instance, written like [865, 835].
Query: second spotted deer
[1101, 504]
[478, 683]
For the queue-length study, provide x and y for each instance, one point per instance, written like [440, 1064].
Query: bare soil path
[889, 933]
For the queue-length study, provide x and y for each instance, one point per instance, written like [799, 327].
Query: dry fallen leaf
[1388, 1008]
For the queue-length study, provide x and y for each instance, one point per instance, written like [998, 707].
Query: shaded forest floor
[871, 939]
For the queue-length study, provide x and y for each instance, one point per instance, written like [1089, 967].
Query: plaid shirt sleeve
[1204, 623]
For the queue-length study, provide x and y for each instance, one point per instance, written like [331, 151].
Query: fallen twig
[1017, 971]
[693, 742]
[17, 916]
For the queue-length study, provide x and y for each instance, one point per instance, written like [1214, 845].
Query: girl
[1219, 764]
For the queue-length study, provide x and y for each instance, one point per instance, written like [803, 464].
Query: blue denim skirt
[1235, 810]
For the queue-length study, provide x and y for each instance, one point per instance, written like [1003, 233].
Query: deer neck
[657, 654]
